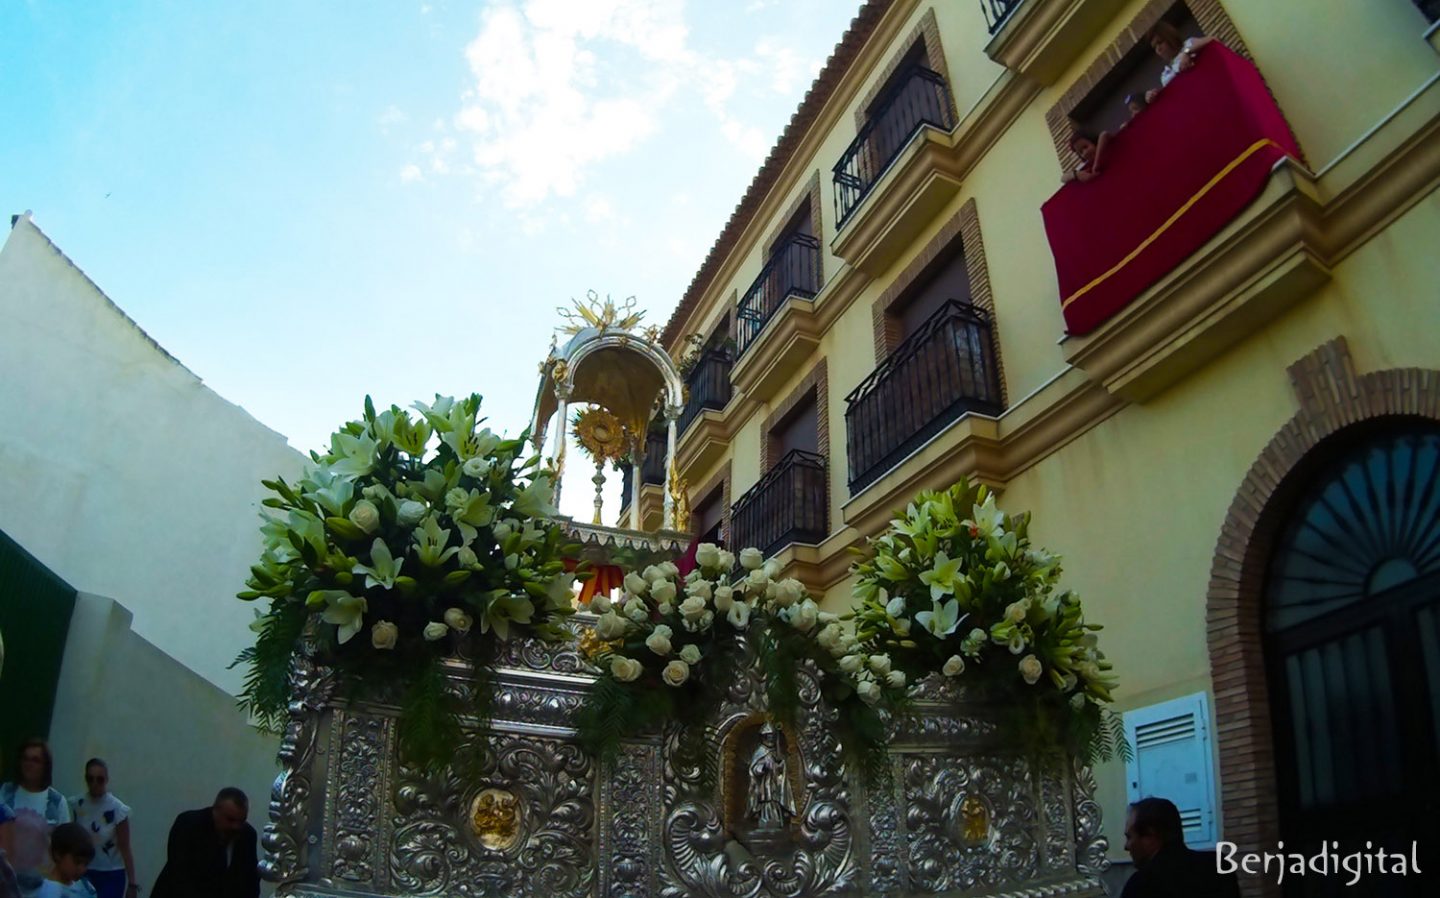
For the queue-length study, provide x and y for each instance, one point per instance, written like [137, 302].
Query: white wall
[171, 738]
[119, 469]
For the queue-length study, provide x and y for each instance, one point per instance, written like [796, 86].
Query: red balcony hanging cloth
[1171, 180]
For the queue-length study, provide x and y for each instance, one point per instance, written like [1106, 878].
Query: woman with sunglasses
[38, 808]
[107, 819]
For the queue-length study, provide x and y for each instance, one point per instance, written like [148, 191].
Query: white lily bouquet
[667, 648]
[954, 587]
[414, 538]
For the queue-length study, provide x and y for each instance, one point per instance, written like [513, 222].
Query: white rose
[365, 516]
[869, 691]
[772, 568]
[690, 654]
[675, 673]
[1016, 644]
[665, 608]
[635, 584]
[635, 610]
[383, 635]
[725, 561]
[707, 619]
[828, 617]
[756, 582]
[662, 591]
[828, 637]
[669, 570]
[458, 620]
[789, 591]
[410, 512]
[896, 679]
[895, 607]
[476, 467]
[880, 664]
[707, 555]
[1031, 669]
[804, 616]
[1015, 612]
[610, 626]
[693, 608]
[599, 604]
[435, 630]
[751, 559]
[625, 669]
[739, 615]
[851, 664]
[653, 573]
[659, 640]
[954, 666]
[724, 595]
[701, 588]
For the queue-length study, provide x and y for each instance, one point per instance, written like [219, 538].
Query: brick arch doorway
[1339, 410]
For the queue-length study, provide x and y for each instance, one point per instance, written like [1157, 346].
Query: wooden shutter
[1171, 747]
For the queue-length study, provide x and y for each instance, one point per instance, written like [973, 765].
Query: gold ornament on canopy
[601, 435]
[603, 316]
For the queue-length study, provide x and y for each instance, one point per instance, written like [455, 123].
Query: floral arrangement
[413, 539]
[954, 586]
[668, 646]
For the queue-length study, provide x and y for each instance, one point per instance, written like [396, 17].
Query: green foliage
[267, 681]
[416, 537]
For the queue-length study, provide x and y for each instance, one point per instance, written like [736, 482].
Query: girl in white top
[107, 820]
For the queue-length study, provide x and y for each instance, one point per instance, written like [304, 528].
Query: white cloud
[559, 87]
[411, 173]
[392, 116]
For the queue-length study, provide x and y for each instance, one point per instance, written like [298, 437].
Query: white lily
[941, 577]
[942, 619]
[383, 567]
[346, 611]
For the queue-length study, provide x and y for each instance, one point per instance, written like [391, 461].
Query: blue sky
[305, 202]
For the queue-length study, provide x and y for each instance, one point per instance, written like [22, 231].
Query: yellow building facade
[882, 315]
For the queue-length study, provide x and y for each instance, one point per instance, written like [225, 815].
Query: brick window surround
[1214, 21]
[720, 479]
[964, 225]
[1332, 399]
[810, 196]
[817, 383]
[927, 33]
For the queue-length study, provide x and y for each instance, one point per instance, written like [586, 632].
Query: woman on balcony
[1179, 53]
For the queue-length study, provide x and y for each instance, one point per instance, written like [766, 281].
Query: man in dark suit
[212, 852]
[1164, 867]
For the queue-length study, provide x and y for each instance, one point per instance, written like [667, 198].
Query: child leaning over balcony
[1179, 54]
[1091, 151]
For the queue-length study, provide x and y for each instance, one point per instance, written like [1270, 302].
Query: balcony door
[1353, 652]
[708, 517]
[800, 430]
[792, 270]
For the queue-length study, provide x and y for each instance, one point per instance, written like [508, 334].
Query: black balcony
[947, 368]
[652, 470]
[709, 385]
[997, 12]
[794, 270]
[918, 98]
[787, 506]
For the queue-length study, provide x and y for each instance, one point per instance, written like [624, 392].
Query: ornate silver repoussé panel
[957, 814]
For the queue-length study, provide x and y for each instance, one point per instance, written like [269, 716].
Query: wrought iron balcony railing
[997, 11]
[709, 385]
[919, 98]
[794, 270]
[652, 470]
[947, 368]
[788, 505]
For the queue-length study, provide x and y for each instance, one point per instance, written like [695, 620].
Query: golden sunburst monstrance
[600, 434]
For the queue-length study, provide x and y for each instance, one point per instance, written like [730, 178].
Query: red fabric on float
[1171, 180]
